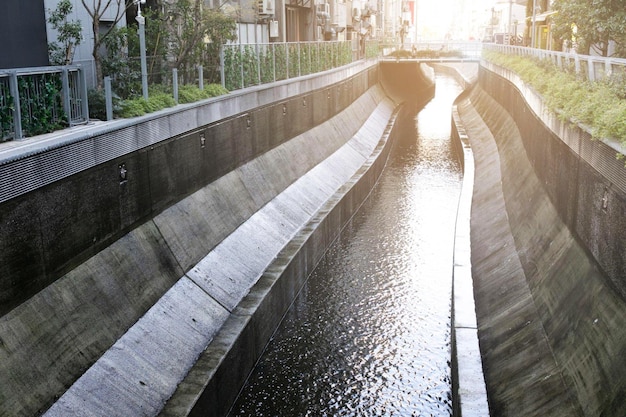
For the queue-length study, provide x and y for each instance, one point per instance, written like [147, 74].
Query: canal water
[369, 334]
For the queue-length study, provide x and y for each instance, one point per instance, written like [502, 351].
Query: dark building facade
[23, 39]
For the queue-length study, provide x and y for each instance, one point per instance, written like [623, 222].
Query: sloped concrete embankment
[234, 297]
[550, 322]
[197, 343]
[142, 369]
[71, 211]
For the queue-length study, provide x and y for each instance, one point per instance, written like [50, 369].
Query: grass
[160, 98]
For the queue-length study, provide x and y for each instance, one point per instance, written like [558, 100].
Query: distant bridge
[434, 51]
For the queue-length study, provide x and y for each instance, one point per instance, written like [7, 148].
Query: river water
[369, 334]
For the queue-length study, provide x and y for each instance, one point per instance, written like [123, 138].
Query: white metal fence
[590, 68]
[245, 65]
[57, 96]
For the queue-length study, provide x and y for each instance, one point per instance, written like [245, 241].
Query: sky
[458, 19]
[434, 18]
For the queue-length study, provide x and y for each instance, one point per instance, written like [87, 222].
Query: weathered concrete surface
[403, 81]
[469, 392]
[62, 200]
[226, 275]
[584, 180]
[212, 384]
[148, 304]
[550, 323]
[465, 73]
[85, 257]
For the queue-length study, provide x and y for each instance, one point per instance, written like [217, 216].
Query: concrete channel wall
[547, 256]
[583, 178]
[469, 394]
[148, 279]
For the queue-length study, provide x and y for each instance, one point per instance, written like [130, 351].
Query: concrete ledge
[469, 391]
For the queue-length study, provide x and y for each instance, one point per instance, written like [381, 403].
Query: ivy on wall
[41, 109]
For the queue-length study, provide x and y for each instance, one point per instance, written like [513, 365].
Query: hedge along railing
[246, 65]
[590, 68]
[42, 99]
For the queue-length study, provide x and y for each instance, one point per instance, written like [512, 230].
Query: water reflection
[369, 335]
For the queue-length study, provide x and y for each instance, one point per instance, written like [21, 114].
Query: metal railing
[42, 99]
[246, 65]
[436, 51]
[39, 100]
[590, 68]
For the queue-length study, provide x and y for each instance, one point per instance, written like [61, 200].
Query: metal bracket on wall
[123, 173]
[605, 199]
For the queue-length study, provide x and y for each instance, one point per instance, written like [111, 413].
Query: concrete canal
[369, 334]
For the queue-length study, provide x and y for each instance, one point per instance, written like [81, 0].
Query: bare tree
[96, 9]
[187, 30]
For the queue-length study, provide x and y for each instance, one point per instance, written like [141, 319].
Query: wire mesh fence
[246, 65]
[589, 68]
[40, 100]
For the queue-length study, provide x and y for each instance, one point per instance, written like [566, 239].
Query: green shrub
[401, 53]
[162, 100]
[132, 108]
[214, 90]
[192, 93]
[97, 104]
[600, 105]
[160, 97]
[612, 123]
[189, 94]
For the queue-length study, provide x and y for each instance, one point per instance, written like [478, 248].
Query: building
[83, 54]
[258, 21]
[508, 21]
[23, 45]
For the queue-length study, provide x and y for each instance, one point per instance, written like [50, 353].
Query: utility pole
[510, 20]
[142, 48]
[532, 35]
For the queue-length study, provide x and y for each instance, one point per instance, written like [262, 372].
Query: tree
[186, 33]
[68, 34]
[220, 29]
[122, 61]
[96, 9]
[196, 32]
[592, 25]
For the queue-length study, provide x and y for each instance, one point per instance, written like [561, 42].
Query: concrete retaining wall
[62, 198]
[583, 178]
[135, 318]
[550, 316]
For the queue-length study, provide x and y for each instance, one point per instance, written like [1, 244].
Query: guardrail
[39, 100]
[35, 100]
[591, 68]
[436, 51]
